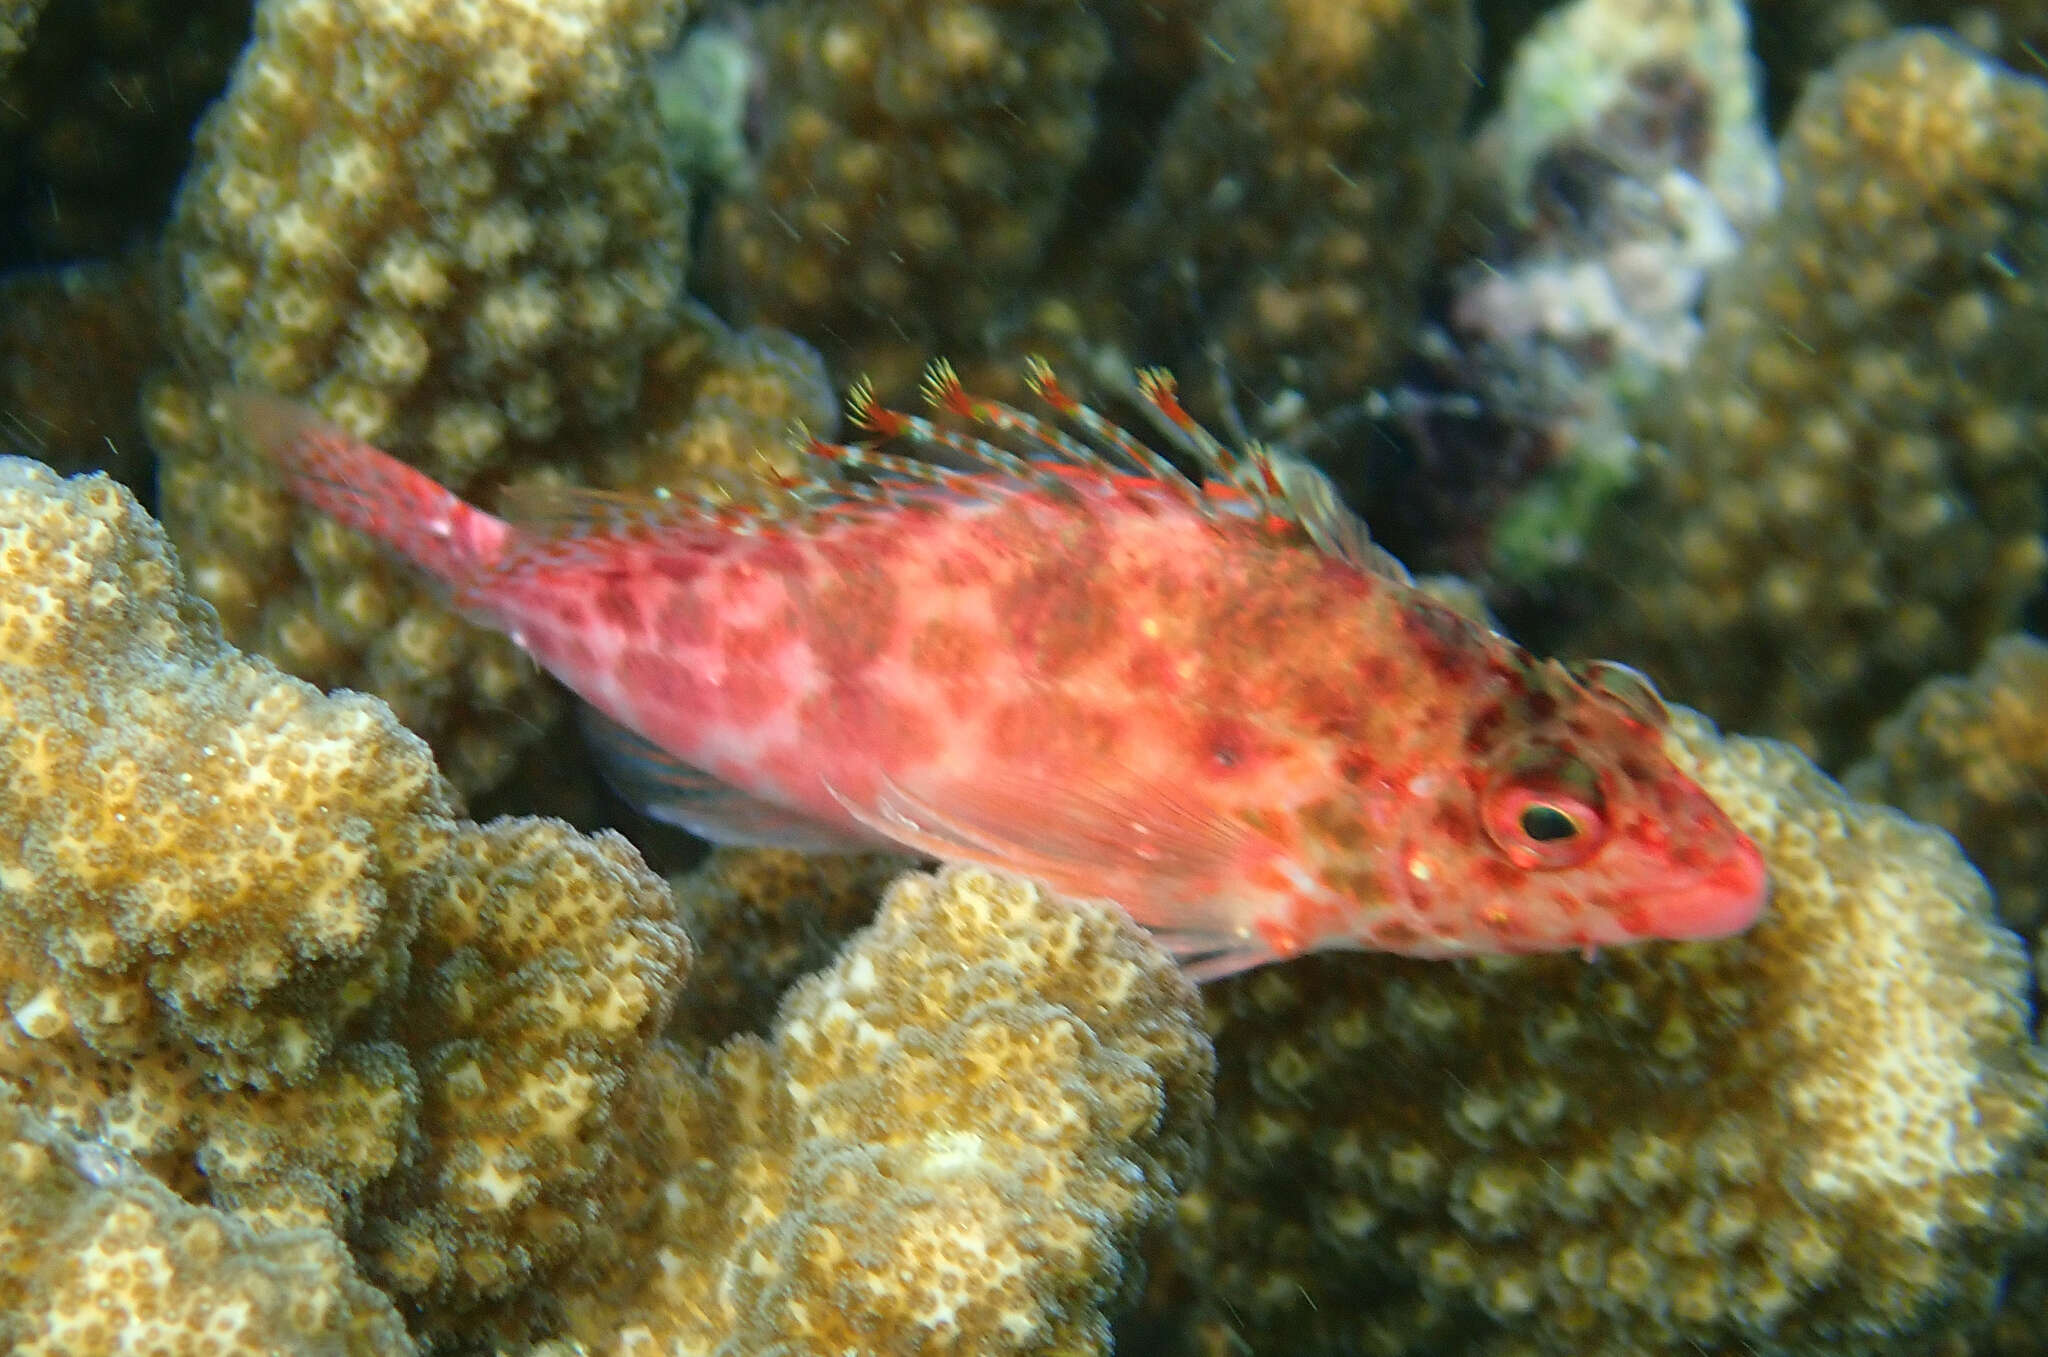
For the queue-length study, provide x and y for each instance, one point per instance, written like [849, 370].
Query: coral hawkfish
[1043, 646]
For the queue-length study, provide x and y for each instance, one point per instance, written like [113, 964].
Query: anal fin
[666, 788]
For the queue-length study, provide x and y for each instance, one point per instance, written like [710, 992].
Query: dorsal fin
[1626, 687]
[723, 504]
[573, 510]
[849, 480]
[1280, 484]
[1258, 481]
[962, 460]
[1328, 521]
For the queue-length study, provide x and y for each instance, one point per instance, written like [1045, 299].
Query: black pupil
[1547, 824]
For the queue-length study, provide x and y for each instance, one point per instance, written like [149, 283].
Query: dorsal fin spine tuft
[851, 481]
[1162, 392]
[867, 413]
[1045, 384]
[943, 391]
[1269, 479]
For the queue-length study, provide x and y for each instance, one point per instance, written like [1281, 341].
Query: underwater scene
[1193, 678]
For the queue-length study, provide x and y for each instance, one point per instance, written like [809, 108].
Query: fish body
[1216, 705]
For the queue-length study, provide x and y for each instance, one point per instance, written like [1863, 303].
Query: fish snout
[1723, 902]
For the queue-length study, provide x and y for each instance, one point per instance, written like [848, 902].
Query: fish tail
[370, 490]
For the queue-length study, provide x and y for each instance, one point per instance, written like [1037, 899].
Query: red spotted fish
[1043, 646]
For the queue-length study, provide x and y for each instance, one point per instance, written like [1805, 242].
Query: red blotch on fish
[1215, 703]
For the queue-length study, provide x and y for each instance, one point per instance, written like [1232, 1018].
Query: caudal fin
[369, 490]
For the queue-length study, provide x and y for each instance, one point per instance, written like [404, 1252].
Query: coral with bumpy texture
[1795, 38]
[947, 1142]
[720, 404]
[915, 163]
[1812, 1139]
[543, 971]
[246, 941]
[759, 919]
[454, 230]
[1971, 755]
[196, 847]
[98, 1259]
[1296, 190]
[1851, 500]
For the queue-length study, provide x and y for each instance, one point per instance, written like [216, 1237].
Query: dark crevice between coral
[96, 121]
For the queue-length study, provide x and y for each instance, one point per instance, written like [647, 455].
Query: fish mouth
[1724, 902]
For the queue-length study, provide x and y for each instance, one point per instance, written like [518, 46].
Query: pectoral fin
[668, 789]
[1159, 857]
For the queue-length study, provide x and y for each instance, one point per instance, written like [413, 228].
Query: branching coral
[913, 168]
[247, 942]
[721, 403]
[1798, 37]
[452, 228]
[946, 1143]
[544, 966]
[1294, 193]
[1852, 496]
[936, 177]
[1813, 1139]
[760, 918]
[248, 945]
[247, 915]
[1971, 755]
[98, 1259]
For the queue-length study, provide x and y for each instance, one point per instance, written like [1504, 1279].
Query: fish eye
[1546, 811]
[1542, 822]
